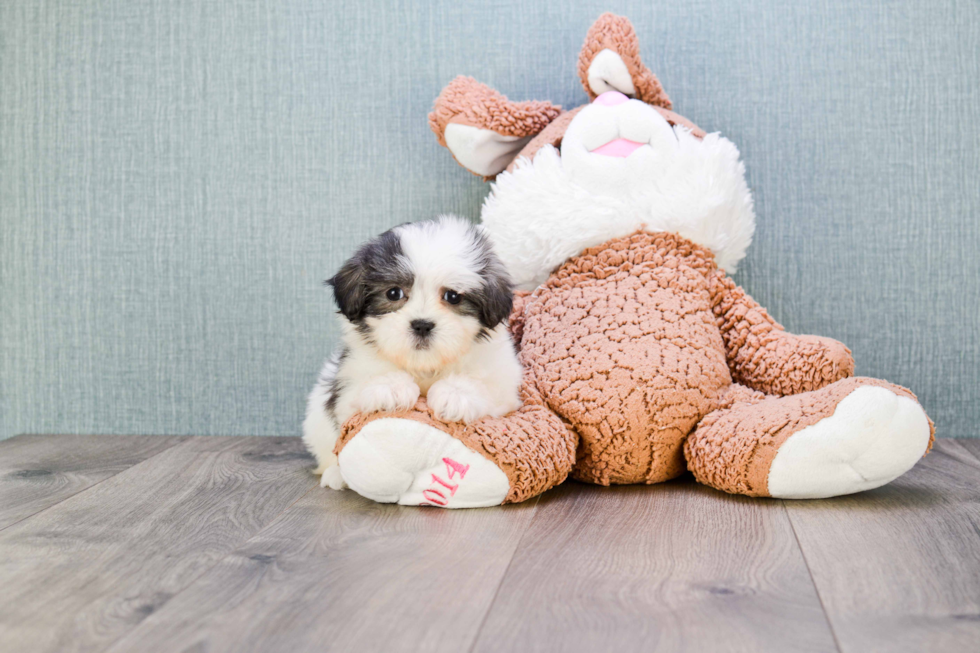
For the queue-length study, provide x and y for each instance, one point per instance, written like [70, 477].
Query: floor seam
[181, 440]
[503, 577]
[813, 581]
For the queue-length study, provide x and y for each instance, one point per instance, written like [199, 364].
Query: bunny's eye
[394, 294]
[451, 297]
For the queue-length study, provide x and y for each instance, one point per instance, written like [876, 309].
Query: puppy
[423, 309]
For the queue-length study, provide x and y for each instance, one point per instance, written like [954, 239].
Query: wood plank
[338, 572]
[81, 574]
[898, 568]
[971, 444]
[38, 471]
[671, 567]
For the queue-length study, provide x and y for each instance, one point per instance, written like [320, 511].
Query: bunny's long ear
[610, 61]
[482, 128]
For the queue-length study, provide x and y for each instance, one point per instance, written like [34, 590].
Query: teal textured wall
[177, 177]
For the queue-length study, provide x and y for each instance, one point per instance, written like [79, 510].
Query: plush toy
[621, 222]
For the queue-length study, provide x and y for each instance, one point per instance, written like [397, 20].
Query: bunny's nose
[611, 98]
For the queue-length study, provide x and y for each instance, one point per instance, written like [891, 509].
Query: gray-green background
[178, 176]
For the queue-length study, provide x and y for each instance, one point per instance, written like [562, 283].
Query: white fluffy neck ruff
[537, 217]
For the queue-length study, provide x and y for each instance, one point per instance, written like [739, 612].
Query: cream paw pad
[394, 460]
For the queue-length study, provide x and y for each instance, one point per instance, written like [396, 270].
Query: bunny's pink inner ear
[482, 128]
[608, 72]
[610, 61]
[482, 151]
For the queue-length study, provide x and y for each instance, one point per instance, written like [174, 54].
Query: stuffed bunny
[642, 359]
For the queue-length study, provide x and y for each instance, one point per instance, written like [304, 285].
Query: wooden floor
[227, 544]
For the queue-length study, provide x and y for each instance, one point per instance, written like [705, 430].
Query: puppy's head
[421, 294]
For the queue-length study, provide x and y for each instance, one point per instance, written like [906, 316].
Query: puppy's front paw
[387, 393]
[458, 399]
[332, 479]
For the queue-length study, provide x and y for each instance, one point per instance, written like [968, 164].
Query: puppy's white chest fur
[425, 379]
[483, 381]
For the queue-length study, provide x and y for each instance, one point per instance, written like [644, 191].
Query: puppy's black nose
[422, 328]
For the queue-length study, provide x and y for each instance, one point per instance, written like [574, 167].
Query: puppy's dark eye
[394, 294]
[451, 296]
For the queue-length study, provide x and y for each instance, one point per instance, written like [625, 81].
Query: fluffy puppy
[423, 309]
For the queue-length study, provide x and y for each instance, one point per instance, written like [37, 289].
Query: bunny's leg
[849, 436]
[413, 458]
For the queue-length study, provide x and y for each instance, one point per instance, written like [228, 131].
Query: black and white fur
[423, 308]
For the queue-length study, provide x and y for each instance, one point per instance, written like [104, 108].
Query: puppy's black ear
[350, 290]
[496, 298]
